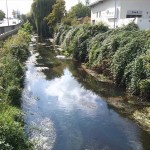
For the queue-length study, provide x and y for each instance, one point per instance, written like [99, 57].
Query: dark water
[65, 109]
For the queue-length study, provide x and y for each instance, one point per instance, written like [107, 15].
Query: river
[66, 109]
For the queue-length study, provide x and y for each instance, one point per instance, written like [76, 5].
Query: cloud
[70, 95]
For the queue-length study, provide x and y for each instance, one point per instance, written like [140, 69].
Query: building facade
[116, 13]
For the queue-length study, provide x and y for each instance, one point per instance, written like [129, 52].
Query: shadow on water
[65, 109]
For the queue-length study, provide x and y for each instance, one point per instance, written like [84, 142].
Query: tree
[77, 12]
[30, 18]
[57, 13]
[23, 17]
[14, 13]
[2, 15]
[39, 10]
[18, 14]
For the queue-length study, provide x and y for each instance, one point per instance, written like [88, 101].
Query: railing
[9, 30]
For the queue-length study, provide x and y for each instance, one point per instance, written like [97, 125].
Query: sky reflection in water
[62, 115]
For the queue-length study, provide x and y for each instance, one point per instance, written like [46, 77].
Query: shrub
[12, 134]
[13, 95]
[122, 54]
[13, 54]
[77, 40]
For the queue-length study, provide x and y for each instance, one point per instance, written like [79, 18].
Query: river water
[66, 109]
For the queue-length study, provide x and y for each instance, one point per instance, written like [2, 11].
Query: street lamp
[115, 15]
[7, 12]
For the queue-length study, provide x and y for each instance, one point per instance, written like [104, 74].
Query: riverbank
[135, 109]
[14, 53]
[117, 57]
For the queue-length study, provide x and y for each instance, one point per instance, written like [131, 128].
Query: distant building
[11, 22]
[117, 13]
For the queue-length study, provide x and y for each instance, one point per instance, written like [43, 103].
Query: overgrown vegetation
[121, 54]
[41, 9]
[57, 14]
[45, 15]
[13, 54]
[78, 14]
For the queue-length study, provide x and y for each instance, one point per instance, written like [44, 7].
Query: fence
[6, 31]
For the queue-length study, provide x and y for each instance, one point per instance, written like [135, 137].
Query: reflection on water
[62, 112]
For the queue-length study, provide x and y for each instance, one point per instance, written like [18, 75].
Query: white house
[116, 13]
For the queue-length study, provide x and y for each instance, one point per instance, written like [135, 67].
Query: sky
[24, 5]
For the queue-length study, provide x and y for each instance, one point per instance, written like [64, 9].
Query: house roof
[96, 2]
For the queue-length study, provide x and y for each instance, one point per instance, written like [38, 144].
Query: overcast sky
[24, 5]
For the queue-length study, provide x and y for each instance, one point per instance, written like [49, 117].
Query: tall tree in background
[57, 14]
[30, 18]
[2, 15]
[78, 11]
[14, 14]
[39, 10]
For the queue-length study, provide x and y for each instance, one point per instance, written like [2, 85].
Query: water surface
[66, 109]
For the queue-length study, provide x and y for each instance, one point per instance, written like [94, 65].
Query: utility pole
[115, 15]
[7, 12]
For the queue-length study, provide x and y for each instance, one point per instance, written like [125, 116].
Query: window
[133, 16]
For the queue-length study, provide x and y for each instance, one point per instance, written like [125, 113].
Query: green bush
[13, 95]
[12, 135]
[77, 39]
[12, 72]
[122, 54]
[144, 86]
[27, 28]
[13, 54]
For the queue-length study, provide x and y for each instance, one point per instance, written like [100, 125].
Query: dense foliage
[13, 54]
[77, 13]
[122, 54]
[57, 13]
[41, 9]
[2, 15]
[80, 10]
[75, 40]
[45, 15]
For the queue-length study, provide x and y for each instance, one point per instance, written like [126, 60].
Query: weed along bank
[116, 13]
[14, 52]
[118, 55]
